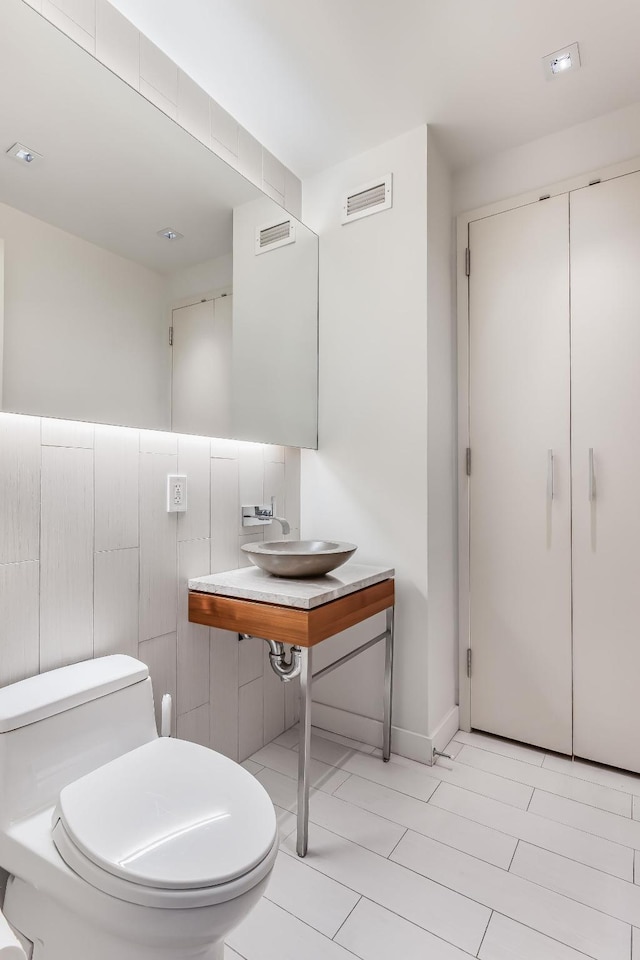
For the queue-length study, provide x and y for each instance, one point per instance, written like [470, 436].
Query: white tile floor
[504, 853]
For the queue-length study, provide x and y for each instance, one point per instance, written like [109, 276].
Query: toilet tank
[60, 725]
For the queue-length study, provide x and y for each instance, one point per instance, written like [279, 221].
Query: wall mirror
[91, 286]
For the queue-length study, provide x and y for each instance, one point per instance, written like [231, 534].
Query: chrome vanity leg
[388, 678]
[304, 752]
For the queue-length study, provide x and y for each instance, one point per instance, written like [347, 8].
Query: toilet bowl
[120, 844]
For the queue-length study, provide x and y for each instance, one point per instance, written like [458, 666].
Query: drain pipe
[283, 668]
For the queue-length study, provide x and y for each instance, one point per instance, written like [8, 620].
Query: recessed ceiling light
[561, 61]
[19, 152]
[169, 234]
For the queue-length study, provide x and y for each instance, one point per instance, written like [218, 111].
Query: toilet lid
[171, 814]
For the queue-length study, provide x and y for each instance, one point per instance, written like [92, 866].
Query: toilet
[119, 844]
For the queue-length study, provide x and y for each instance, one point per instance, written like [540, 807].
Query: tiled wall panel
[92, 564]
[250, 718]
[193, 639]
[19, 489]
[116, 602]
[116, 478]
[19, 632]
[194, 460]
[66, 562]
[158, 557]
[160, 654]
[224, 692]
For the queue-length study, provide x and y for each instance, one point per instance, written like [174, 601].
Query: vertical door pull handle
[592, 477]
[550, 476]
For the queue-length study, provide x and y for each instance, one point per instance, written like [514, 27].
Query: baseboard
[406, 743]
[444, 732]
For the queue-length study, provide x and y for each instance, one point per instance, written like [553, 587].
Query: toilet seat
[168, 824]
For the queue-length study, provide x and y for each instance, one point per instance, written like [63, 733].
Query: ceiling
[320, 80]
[115, 170]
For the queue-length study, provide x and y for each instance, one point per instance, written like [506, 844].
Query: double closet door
[554, 423]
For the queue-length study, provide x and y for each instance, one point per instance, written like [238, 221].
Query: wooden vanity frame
[303, 629]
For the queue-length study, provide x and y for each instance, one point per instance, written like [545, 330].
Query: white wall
[85, 332]
[579, 149]
[441, 444]
[367, 483]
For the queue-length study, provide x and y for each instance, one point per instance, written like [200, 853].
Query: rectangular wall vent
[275, 235]
[367, 199]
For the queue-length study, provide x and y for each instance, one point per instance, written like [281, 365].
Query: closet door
[201, 375]
[520, 551]
[605, 336]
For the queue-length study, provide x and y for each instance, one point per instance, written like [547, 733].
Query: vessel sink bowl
[299, 558]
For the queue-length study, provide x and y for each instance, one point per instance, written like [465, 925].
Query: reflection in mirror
[94, 289]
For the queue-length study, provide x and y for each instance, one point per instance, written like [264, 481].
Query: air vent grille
[370, 198]
[275, 235]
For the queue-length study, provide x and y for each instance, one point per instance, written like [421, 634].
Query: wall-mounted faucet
[257, 515]
[286, 527]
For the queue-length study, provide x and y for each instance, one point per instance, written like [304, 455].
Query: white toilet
[121, 845]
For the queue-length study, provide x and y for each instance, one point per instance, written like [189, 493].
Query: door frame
[462, 290]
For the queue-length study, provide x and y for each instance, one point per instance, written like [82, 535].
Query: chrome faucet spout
[286, 528]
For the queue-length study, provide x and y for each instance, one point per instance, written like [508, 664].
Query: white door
[605, 335]
[201, 381]
[520, 513]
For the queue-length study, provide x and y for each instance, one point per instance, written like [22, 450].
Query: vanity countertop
[250, 583]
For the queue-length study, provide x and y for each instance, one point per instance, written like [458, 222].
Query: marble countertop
[250, 583]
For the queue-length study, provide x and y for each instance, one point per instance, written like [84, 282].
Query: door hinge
[467, 262]
[170, 336]
[468, 461]
[468, 661]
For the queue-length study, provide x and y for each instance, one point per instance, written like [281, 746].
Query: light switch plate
[176, 493]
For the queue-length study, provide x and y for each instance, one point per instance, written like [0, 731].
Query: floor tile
[617, 898]
[251, 766]
[584, 847]
[505, 853]
[288, 739]
[286, 822]
[453, 748]
[506, 748]
[544, 779]
[323, 776]
[431, 821]
[558, 917]
[330, 751]
[507, 940]
[590, 819]
[270, 933]
[420, 781]
[453, 917]
[373, 933]
[582, 770]
[367, 829]
[309, 895]
[415, 783]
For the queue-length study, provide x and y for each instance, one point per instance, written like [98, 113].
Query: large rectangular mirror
[106, 316]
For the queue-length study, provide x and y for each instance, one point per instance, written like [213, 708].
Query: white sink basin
[299, 558]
